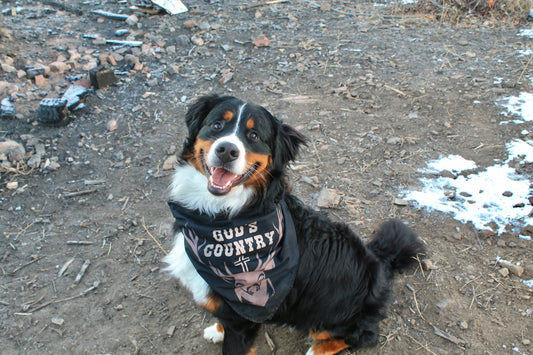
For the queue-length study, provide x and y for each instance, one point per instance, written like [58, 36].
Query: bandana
[251, 262]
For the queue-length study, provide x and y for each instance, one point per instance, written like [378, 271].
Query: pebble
[12, 185]
[328, 198]
[463, 325]
[504, 272]
[7, 109]
[400, 202]
[517, 270]
[34, 161]
[170, 162]
[58, 67]
[112, 125]
[261, 41]
[14, 151]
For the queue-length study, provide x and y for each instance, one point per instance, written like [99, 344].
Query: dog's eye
[217, 126]
[253, 135]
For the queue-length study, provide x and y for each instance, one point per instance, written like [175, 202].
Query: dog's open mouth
[220, 181]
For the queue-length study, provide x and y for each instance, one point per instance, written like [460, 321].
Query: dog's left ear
[288, 142]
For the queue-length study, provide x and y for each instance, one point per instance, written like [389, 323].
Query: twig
[65, 267]
[395, 90]
[272, 2]
[79, 242]
[524, 70]
[28, 263]
[416, 301]
[153, 238]
[79, 193]
[422, 345]
[82, 271]
[449, 337]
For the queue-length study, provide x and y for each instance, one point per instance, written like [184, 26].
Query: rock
[507, 193]
[58, 67]
[132, 20]
[35, 161]
[400, 202]
[101, 77]
[14, 151]
[504, 272]
[427, 265]
[197, 40]
[112, 125]
[447, 174]
[170, 162]
[8, 68]
[517, 270]
[261, 41]
[12, 185]
[463, 325]
[328, 198]
[7, 109]
[74, 94]
[190, 24]
[53, 111]
[225, 78]
[39, 80]
[526, 341]
[394, 140]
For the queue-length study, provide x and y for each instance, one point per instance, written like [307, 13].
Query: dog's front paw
[214, 333]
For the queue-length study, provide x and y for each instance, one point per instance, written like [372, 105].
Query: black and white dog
[251, 253]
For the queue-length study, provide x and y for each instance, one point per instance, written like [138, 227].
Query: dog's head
[232, 143]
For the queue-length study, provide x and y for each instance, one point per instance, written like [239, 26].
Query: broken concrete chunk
[101, 77]
[7, 109]
[53, 111]
[74, 94]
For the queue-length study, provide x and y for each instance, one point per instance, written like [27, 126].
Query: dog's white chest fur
[189, 188]
[181, 267]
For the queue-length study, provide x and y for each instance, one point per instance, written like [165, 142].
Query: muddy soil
[378, 93]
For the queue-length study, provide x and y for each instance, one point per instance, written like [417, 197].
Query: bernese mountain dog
[250, 252]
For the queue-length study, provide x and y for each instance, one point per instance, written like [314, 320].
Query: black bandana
[250, 262]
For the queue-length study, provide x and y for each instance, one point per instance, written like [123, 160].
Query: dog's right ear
[195, 116]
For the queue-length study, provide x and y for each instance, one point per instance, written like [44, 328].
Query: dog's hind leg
[325, 344]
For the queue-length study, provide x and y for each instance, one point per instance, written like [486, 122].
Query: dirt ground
[379, 93]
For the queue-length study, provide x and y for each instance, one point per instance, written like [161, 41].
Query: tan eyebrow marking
[250, 124]
[228, 115]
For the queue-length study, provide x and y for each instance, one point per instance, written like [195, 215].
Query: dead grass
[455, 11]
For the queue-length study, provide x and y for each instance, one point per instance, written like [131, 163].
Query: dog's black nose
[227, 152]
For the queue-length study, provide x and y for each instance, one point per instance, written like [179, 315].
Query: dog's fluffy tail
[396, 245]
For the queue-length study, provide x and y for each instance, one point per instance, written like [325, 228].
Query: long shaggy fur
[343, 286]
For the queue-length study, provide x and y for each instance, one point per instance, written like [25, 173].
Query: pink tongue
[220, 177]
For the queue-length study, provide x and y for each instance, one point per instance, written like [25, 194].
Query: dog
[250, 252]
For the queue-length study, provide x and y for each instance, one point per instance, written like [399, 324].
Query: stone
[170, 162]
[58, 67]
[516, 270]
[53, 111]
[132, 20]
[35, 161]
[101, 77]
[39, 80]
[112, 125]
[7, 109]
[14, 151]
[328, 198]
[261, 41]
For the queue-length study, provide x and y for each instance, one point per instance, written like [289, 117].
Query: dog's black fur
[343, 286]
